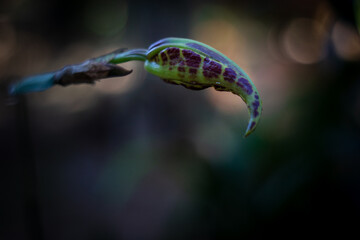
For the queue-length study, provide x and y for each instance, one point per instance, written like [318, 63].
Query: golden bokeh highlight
[243, 41]
[220, 34]
[304, 41]
[346, 41]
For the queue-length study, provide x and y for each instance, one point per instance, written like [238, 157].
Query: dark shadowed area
[137, 158]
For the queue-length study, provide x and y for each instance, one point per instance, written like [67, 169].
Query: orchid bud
[196, 65]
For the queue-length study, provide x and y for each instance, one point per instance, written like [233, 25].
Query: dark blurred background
[135, 158]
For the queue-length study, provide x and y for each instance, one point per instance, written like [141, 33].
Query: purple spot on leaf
[211, 68]
[173, 53]
[252, 125]
[209, 52]
[209, 74]
[245, 85]
[192, 70]
[191, 59]
[164, 57]
[181, 69]
[256, 105]
[229, 75]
